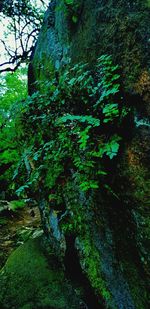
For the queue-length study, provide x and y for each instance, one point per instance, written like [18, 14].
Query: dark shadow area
[78, 279]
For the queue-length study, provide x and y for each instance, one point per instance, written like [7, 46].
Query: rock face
[86, 29]
[112, 245]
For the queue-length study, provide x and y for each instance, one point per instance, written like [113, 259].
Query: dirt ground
[16, 228]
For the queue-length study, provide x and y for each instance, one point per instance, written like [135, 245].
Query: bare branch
[7, 49]
[4, 63]
[18, 60]
[25, 24]
[9, 69]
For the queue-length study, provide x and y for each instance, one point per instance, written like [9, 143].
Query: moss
[29, 280]
[148, 3]
[142, 87]
[90, 261]
[43, 71]
[92, 265]
[135, 185]
[137, 169]
[136, 284]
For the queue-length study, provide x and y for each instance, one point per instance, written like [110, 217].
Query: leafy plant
[72, 123]
[13, 91]
[69, 1]
[14, 205]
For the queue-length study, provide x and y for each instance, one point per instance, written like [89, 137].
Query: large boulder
[31, 280]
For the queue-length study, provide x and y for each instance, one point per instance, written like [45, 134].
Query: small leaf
[101, 173]
[74, 19]
[69, 2]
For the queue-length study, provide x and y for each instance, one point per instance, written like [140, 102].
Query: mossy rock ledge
[30, 280]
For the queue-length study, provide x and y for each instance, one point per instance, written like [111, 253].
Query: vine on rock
[75, 123]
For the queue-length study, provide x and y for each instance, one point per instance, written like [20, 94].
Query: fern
[69, 123]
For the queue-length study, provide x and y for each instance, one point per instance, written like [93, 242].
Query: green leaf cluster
[12, 92]
[75, 123]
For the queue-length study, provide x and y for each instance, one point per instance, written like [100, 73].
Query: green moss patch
[29, 280]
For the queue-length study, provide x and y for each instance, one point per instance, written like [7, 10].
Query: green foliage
[69, 2]
[71, 9]
[14, 89]
[74, 19]
[75, 125]
[14, 205]
[81, 119]
[110, 149]
[110, 111]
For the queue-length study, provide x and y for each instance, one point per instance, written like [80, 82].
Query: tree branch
[24, 24]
